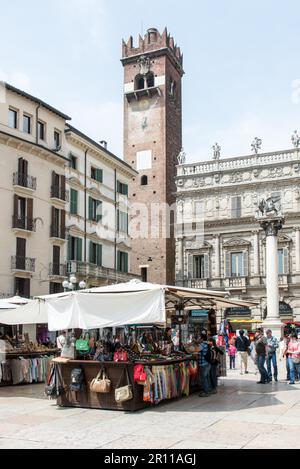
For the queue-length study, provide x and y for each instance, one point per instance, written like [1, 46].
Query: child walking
[232, 355]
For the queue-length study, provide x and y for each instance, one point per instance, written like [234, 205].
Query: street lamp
[71, 284]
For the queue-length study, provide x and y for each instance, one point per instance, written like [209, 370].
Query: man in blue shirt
[204, 366]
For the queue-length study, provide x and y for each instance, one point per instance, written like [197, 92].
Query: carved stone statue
[270, 206]
[181, 158]
[217, 152]
[296, 139]
[256, 145]
[144, 64]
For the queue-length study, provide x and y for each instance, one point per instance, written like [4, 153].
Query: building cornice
[30, 147]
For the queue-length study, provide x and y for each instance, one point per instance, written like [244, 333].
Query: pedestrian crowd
[263, 350]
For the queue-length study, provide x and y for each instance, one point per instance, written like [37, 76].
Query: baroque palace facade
[231, 254]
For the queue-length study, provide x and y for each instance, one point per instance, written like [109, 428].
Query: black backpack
[77, 380]
[209, 356]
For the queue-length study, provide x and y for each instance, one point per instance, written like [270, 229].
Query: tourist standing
[215, 364]
[242, 344]
[232, 355]
[204, 365]
[273, 345]
[61, 340]
[293, 353]
[261, 348]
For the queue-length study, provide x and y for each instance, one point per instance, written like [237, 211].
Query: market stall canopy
[35, 312]
[5, 305]
[17, 300]
[113, 306]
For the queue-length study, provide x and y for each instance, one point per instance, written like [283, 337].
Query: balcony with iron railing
[23, 264]
[57, 270]
[20, 222]
[58, 232]
[59, 193]
[88, 270]
[24, 181]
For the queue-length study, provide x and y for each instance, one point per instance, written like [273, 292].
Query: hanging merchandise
[54, 387]
[101, 384]
[124, 394]
[121, 356]
[77, 380]
[24, 370]
[139, 374]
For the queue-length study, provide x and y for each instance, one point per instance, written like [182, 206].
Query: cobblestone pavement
[242, 415]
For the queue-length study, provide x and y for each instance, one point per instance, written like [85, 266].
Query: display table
[86, 399]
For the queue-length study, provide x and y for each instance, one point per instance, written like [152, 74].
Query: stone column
[297, 246]
[272, 226]
[256, 253]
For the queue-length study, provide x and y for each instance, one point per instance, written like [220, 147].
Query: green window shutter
[99, 211]
[118, 261]
[70, 248]
[90, 208]
[126, 262]
[79, 249]
[74, 202]
[99, 175]
[118, 220]
[99, 255]
[91, 252]
[119, 187]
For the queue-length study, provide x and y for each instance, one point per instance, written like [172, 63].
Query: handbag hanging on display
[124, 394]
[121, 356]
[82, 346]
[101, 384]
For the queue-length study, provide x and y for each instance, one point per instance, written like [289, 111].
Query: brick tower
[152, 143]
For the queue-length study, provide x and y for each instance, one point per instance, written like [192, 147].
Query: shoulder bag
[101, 384]
[124, 394]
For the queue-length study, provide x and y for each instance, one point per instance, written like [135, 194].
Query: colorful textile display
[166, 382]
[25, 370]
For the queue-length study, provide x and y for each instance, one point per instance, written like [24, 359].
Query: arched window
[139, 82]
[144, 181]
[150, 80]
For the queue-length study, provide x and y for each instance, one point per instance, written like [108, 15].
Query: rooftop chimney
[104, 144]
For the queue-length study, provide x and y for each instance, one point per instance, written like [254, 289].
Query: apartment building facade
[231, 253]
[39, 220]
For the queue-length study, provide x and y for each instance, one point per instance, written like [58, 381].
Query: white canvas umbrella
[17, 300]
[6, 305]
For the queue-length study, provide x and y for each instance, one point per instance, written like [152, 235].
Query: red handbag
[139, 374]
[121, 356]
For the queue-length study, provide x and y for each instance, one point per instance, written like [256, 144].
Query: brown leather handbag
[101, 384]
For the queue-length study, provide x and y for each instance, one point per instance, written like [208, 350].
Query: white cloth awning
[35, 312]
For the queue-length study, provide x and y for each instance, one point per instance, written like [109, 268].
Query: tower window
[139, 82]
[144, 181]
[150, 80]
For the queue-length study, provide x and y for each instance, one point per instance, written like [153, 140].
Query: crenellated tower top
[153, 43]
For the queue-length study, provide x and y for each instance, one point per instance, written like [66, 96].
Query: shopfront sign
[199, 315]
[238, 312]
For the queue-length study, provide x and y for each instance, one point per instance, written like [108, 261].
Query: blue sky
[241, 60]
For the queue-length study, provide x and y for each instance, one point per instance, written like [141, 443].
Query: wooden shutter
[63, 224]
[79, 249]
[30, 214]
[91, 252]
[74, 202]
[20, 165]
[118, 261]
[228, 264]
[25, 168]
[21, 254]
[125, 192]
[286, 261]
[99, 255]
[90, 208]
[70, 249]
[63, 184]
[16, 203]
[119, 187]
[245, 264]
[99, 175]
[56, 255]
[206, 266]
[126, 262]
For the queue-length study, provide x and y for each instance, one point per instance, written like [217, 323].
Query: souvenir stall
[145, 370]
[21, 360]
